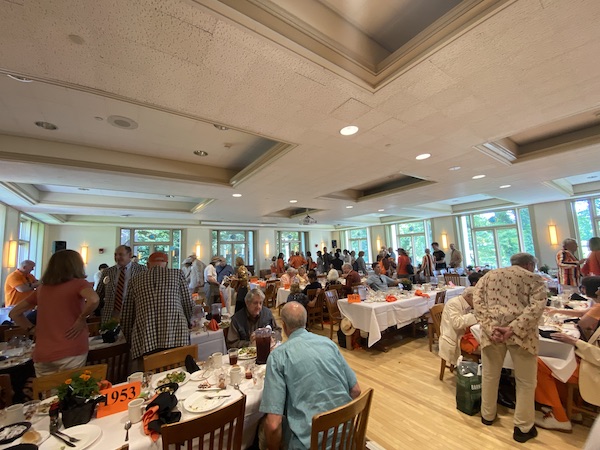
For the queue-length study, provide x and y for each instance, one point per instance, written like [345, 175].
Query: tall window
[31, 240]
[492, 237]
[414, 237]
[144, 242]
[289, 242]
[586, 213]
[358, 241]
[233, 243]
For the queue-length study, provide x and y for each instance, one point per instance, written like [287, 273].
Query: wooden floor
[413, 409]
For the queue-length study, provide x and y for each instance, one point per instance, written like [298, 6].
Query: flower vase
[78, 412]
[110, 336]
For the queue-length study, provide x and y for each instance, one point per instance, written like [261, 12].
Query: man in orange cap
[156, 315]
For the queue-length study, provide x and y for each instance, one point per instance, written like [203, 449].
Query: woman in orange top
[592, 263]
[403, 261]
[280, 264]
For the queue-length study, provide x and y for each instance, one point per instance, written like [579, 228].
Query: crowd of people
[154, 305]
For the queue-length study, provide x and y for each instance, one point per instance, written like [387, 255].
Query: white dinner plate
[199, 403]
[44, 406]
[87, 435]
[242, 355]
[157, 378]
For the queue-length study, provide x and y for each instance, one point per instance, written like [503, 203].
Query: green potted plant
[78, 396]
[545, 268]
[110, 331]
[406, 284]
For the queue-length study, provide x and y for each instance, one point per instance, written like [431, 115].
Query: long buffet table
[375, 316]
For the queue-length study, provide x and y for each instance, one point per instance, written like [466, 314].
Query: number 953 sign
[117, 398]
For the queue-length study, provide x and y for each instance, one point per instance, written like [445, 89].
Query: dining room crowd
[498, 316]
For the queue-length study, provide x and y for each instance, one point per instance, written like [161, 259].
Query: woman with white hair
[457, 316]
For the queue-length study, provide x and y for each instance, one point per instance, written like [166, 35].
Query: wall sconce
[13, 246]
[198, 250]
[84, 254]
[378, 244]
[444, 240]
[553, 234]
[267, 249]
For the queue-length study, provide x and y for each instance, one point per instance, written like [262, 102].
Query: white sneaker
[577, 417]
[549, 422]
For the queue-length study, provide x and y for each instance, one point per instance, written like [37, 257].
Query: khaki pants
[525, 365]
[70, 362]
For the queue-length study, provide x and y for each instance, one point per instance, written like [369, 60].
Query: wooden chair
[224, 428]
[94, 328]
[12, 332]
[315, 313]
[169, 359]
[344, 427]
[335, 316]
[573, 407]
[264, 273]
[43, 386]
[94, 319]
[340, 288]
[116, 357]
[454, 277]
[440, 298]
[271, 293]
[432, 328]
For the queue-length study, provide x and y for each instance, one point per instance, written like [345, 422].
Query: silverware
[66, 436]
[237, 388]
[127, 427]
[217, 396]
[210, 389]
[62, 439]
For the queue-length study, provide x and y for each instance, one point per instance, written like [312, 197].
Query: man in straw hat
[211, 284]
[306, 375]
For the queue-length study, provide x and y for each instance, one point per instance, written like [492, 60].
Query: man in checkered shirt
[157, 310]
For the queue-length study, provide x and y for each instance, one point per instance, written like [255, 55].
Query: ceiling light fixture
[126, 215]
[349, 130]
[293, 201]
[478, 177]
[99, 118]
[504, 186]
[76, 39]
[200, 153]
[423, 156]
[220, 127]
[454, 168]
[83, 189]
[169, 196]
[46, 125]
[349, 207]
[19, 78]
[236, 195]
[125, 123]
[380, 210]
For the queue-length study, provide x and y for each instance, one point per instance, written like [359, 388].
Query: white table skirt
[282, 296]
[113, 432]
[378, 316]
[208, 342]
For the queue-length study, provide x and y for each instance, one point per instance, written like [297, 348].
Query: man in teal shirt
[307, 375]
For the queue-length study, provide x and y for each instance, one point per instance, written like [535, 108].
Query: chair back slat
[169, 359]
[454, 277]
[352, 418]
[116, 357]
[222, 428]
[440, 297]
[44, 386]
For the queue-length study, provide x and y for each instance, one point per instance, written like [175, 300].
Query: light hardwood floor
[413, 409]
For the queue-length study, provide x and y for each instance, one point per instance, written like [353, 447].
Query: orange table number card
[117, 398]
[353, 298]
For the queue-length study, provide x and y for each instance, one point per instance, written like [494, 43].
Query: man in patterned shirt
[569, 271]
[157, 310]
[508, 304]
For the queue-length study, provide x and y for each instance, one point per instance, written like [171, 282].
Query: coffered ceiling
[505, 89]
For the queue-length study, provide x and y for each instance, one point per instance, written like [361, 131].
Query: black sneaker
[488, 422]
[519, 436]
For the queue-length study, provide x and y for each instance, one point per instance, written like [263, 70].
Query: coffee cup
[135, 376]
[235, 375]
[14, 414]
[135, 408]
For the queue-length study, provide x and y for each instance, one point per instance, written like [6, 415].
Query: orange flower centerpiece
[78, 396]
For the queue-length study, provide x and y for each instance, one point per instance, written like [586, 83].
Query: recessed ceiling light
[236, 195]
[504, 186]
[19, 78]
[454, 168]
[125, 123]
[200, 153]
[477, 177]
[170, 196]
[293, 201]
[423, 156]
[220, 127]
[380, 210]
[349, 130]
[46, 126]
[349, 207]
[99, 118]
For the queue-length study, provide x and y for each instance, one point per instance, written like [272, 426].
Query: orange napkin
[420, 293]
[262, 284]
[390, 298]
[213, 325]
[149, 416]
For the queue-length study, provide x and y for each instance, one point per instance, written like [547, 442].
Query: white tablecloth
[282, 295]
[208, 342]
[113, 432]
[378, 316]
